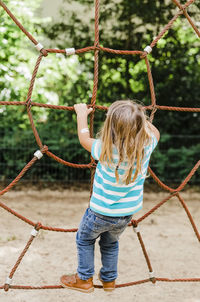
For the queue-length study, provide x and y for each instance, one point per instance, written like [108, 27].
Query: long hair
[125, 127]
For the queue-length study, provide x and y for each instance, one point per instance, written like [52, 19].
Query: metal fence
[14, 156]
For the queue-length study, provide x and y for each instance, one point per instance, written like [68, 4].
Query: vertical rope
[189, 216]
[28, 101]
[95, 84]
[152, 90]
[96, 54]
[139, 236]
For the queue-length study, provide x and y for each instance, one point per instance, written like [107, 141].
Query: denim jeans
[92, 226]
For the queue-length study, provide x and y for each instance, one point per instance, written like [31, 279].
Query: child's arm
[83, 132]
[154, 130]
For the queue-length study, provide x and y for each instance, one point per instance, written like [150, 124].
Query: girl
[126, 142]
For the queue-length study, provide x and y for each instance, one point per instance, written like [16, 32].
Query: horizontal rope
[100, 286]
[104, 108]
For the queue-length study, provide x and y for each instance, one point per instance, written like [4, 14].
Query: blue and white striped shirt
[110, 198]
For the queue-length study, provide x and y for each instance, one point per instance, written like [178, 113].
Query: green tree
[54, 81]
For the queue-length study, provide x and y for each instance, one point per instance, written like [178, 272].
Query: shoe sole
[90, 290]
[108, 289]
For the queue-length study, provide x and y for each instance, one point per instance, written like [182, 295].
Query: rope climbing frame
[43, 149]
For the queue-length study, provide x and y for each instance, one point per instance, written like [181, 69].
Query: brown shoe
[107, 285]
[74, 282]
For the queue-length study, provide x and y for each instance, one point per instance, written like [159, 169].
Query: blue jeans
[92, 226]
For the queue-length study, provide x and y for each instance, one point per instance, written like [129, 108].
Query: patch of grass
[11, 238]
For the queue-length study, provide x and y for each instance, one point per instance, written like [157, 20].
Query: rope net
[43, 149]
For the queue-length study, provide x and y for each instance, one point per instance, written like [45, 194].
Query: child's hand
[81, 109]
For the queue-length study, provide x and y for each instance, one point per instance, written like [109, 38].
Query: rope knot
[7, 283]
[152, 277]
[135, 226]
[96, 45]
[146, 51]
[44, 149]
[144, 55]
[28, 104]
[93, 164]
[134, 223]
[38, 226]
[44, 52]
[154, 109]
[41, 48]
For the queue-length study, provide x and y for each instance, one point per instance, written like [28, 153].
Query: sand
[169, 238]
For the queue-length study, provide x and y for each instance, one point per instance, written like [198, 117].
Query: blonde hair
[125, 127]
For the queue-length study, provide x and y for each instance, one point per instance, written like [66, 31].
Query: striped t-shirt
[110, 198]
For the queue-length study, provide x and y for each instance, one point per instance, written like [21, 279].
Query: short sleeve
[151, 146]
[96, 149]
[154, 142]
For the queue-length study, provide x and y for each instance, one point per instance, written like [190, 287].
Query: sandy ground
[169, 239]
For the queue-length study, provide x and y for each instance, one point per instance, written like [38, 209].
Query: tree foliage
[174, 63]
